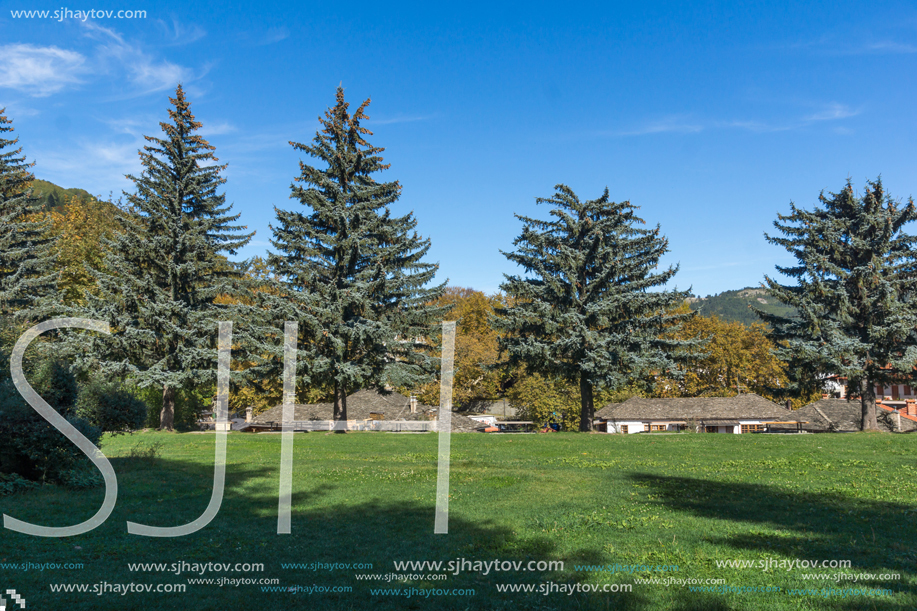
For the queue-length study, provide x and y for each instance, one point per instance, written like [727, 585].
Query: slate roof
[605, 412]
[744, 407]
[359, 405]
[464, 424]
[393, 405]
[840, 415]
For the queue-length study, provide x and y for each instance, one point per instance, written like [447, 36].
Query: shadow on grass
[333, 522]
[876, 536]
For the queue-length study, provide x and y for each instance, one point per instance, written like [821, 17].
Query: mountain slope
[53, 196]
[734, 305]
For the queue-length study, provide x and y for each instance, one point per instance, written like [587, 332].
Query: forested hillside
[53, 196]
[734, 305]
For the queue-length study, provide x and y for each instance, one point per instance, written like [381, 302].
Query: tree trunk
[167, 415]
[340, 406]
[868, 404]
[587, 411]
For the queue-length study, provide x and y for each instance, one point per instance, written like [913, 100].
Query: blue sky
[711, 117]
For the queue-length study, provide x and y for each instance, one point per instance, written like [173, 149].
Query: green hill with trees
[52, 196]
[734, 305]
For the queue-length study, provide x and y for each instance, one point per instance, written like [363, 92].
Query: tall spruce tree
[165, 267]
[349, 272]
[586, 314]
[26, 260]
[856, 291]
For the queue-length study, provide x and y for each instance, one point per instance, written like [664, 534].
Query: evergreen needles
[166, 268]
[585, 311]
[855, 292]
[349, 272]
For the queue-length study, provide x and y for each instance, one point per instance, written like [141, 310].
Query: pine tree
[586, 315]
[26, 261]
[856, 292]
[351, 273]
[165, 266]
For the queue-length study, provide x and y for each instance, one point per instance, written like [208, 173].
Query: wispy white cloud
[146, 73]
[15, 109]
[832, 112]
[673, 124]
[890, 46]
[276, 35]
[666, 125]
[152, 76]
[181, 33]
[132, 126]
[217, 129]
[833, 45]
[39, 71]
[758, 127]
[681, 125]
[98, 167]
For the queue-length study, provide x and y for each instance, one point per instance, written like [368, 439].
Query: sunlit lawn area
[686, 500]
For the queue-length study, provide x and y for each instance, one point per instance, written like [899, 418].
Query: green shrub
[29, 446]
[55, 384]
[10, 483]
[108, 406]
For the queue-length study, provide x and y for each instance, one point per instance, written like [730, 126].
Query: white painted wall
[637, 426]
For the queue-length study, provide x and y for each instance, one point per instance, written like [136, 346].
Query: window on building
[646, 426]
[710, 429]
[623, 428]
[751, 428]
[657, 427]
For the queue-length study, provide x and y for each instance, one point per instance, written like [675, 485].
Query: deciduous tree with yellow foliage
[735, 357]
[477, 379]
[80, 227]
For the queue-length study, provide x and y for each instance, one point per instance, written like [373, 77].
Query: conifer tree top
[181, 177]
[587, 307]
[351, 160]
[14, 172]
[855, 286]
[26, 261]
[165, 271]
[351, 272]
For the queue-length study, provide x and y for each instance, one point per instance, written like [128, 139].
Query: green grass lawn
[684, 500]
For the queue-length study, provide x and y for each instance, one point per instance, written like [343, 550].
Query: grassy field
[661, 501]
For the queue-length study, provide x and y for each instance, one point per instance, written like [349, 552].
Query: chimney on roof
[911, 406]
[789, 405]
[413, 404]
